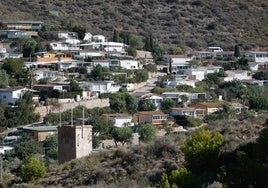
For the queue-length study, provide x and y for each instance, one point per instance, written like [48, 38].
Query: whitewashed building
[237, 75]
[178, 63]
[119, 120]
[98, 38]
[104, 87]
[11, 94]
[259, 57]
[129, 64]
[63, 46]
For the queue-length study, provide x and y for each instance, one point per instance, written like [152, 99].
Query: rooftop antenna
[72, 115]
[60, 115]
[83, 122]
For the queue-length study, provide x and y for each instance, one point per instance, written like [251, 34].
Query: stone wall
[44, 110]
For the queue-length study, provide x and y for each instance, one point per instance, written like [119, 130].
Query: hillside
[142, 165]
[193, 23]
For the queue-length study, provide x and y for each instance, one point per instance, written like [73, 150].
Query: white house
[259, 57]
[88, 37]
[177, 95]
[98, 38]
[237, 75]
[73, 42]
[66, 64]
[204, 54]
[46, 73]
[173, 84]
[3, 52]
[67, 35]
[254, 66]
[102, 62]
[156, 100]
[179, 63]
[119, 120]
[89, 53]
[109, 47]
[5, 149]
[129, 64]
[63, 46]
[11, 94]
[187, 111]
[104, 87]
[199, 74]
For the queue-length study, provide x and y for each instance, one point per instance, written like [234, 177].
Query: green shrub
[32, 169]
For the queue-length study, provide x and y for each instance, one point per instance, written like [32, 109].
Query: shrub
[32, 169]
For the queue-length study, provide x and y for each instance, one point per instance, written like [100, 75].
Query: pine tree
[236, 51]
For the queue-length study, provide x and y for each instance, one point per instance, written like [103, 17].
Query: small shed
[40, 133]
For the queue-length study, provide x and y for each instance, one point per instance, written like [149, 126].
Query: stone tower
[74, 141]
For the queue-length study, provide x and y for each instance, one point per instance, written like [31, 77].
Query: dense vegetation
[193, 23]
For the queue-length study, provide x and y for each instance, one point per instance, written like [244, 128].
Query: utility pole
[1, 166]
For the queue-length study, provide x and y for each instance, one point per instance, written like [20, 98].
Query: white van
[215, 49]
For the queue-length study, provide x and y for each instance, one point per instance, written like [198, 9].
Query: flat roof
[41, 128]
[20, 21]
[8, 89]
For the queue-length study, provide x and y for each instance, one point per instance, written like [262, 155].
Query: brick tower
[74, 141]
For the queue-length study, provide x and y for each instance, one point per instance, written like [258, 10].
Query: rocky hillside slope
[143, 165]
[193, 23]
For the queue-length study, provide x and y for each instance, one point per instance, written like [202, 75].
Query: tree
[131, 103]
[175, 50]
[258, 103]
[74, 86]
[147, 132]
[4, 79]
[150, 67]
[184, 98]
[83, 70]
[3, 120]
[13, 67]
[164, 182]
[101, 129]
[32, 169]
[27, 147]
[262, 75]
[26, 109]
[99, 72]
[29, 48]
[179, 178]
[122, 134]
[146, 105]
[202, 150]
[116, 37]
[158, 52]
[141, 75]
[118, 102]
[136, 42]
[81, 31]
[167, 104]
[132, 51]
[50, 145]
[236, 51]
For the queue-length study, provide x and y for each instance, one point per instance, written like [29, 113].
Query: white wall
[129, 64]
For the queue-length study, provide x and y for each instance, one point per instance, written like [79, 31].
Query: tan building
[40, 133]
[203, 109]
[74, 141]
[154, 117]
